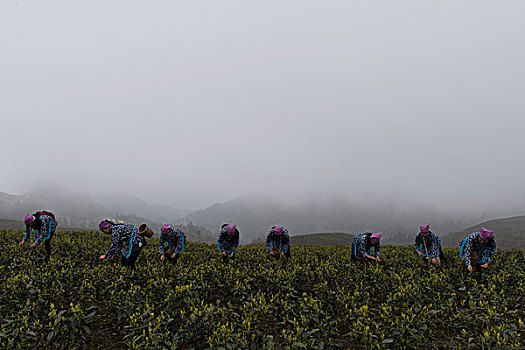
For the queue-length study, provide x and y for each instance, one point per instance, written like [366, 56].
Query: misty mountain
[322, 239]
[81, 211]
[397, 216]
[130, 205]
[509, 233]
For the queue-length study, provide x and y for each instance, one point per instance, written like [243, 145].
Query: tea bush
[317, 300]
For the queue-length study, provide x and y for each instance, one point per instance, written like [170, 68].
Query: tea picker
[125, 234]
[43, 224]
[477, 250]
[278, 242]
[228, 241]
[171, 243]
[428, 246]
[363, 246]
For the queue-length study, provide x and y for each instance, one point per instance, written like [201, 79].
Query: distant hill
[75, 210]
[11, 225]
[19, 225]
[193, 233]
[335, 238]
[509, 233]
[398, 218]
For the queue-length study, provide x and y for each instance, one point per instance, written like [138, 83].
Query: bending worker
[171, 243]
[363, 245]
[43, 224]
[120, 234]
[477, 250]
[278, 242]
[228, 241]
[428, 245]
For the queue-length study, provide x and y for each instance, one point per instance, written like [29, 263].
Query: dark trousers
[47, 245]
[442, 256]
[353, 257]
[477, 273]
[477, 269]
[226, 258]
[277, 256]
[130, 262]
[173, 261]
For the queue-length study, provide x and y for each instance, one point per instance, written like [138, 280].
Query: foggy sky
[192, 102]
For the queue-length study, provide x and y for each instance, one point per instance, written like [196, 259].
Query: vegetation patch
[318, 299]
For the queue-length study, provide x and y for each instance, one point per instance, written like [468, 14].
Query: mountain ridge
[398, 217]
[509, 232]
[80, 211]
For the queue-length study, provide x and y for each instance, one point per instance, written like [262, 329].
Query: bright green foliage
[316, 300]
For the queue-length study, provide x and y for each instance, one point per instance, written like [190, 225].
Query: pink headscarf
[278, 230]
[375, 237]
[485, 234]
[165, 229]
[231, 229]
[104, 224]
[28, 219]
[424, 228]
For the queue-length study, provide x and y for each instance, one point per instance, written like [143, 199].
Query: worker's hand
[162, 257]
[420, 254]
[378, 260]
[469, 268]
[102, 257]
[272, 253]
[231, 255]
[224, 253]
[21, 243]
[434, 261]
[485, 266]
[173, 255]
[33, 246]
[282, 254]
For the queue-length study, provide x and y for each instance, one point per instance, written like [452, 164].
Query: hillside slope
[75, 210]
[254, 215]
[321, 239]
[509, 233]
[11, 225]
[193, 233]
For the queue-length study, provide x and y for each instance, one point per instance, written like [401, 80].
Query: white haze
[188, 103]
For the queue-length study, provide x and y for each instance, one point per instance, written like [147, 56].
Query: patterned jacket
[173, 241]
[432, 245]
[363, 246]
[121, 233]
[279, 242]
[43, 232]
[228, 243]
[472, 244]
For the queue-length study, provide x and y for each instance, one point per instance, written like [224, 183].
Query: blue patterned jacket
[174, 241]
[278, 242]
[432, 244]
[43, 232]
[228, 243]
[121, 233]
[472, 244]
[363, 247]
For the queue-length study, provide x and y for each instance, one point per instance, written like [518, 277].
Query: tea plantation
[317, 300]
